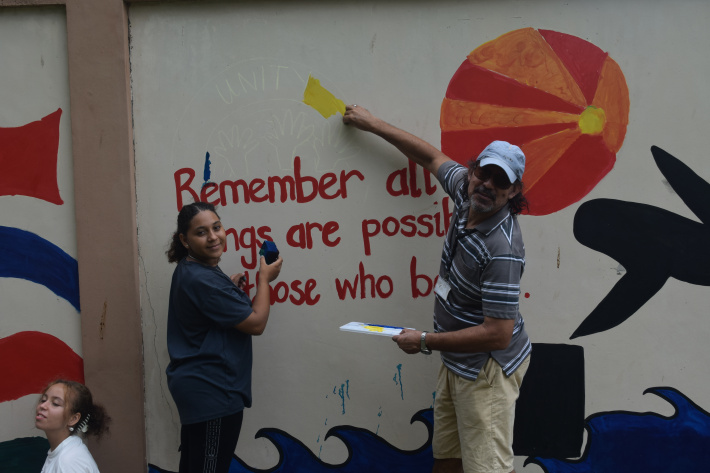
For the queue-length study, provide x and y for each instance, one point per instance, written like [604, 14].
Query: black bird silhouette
[652, 244]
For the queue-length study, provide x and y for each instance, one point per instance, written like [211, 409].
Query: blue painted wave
[620, 442]
[366, 453]
[31, 257]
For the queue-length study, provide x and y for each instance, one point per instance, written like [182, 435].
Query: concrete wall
[37, 202]
[228, 80]
[614, 290]
[86, 75]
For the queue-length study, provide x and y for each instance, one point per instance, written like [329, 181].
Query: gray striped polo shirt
[483, 267]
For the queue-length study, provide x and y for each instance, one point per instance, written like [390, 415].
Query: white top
[71, 456]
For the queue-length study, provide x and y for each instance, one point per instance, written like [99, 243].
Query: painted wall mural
[40, 334]
[619, 442]
[366, 452]
[28, 166]
[37, 359]
[31, 257]
[23, 455]
[652, 244]
[261, 137]
[632, 441]
[561, 99]
[549, 421]
[28, 159]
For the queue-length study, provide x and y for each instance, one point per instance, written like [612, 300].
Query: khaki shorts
[473, 420]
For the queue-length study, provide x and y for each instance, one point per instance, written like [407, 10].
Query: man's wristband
[423, 347]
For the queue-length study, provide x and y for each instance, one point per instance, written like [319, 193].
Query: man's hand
[360, 117]
[414, 148]
[410, 341]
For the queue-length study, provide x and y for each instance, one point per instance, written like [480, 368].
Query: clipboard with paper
[374, 329]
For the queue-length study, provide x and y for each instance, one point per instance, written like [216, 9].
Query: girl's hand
[269, 272]
[239, 280]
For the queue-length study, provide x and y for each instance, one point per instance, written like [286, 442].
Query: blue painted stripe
[31, 257]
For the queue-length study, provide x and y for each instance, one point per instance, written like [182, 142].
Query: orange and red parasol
[560, 98]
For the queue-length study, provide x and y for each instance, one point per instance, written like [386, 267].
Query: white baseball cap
[506, 156]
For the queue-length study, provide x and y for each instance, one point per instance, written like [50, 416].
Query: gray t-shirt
[483, 267]
[209, 375]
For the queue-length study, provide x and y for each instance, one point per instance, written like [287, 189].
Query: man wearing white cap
[478, 329]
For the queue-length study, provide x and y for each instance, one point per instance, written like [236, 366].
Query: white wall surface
[34, 83]
[228, 79]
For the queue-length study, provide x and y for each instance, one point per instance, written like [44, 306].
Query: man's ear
[515, 189]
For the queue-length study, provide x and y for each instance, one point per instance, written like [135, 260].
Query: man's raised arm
[414, 148]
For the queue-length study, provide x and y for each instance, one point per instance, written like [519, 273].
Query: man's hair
[519, 203]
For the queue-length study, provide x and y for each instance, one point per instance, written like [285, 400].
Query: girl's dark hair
[79, 399]
[177, 251]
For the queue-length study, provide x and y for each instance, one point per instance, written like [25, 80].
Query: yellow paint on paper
[369, 327]
[321, 99]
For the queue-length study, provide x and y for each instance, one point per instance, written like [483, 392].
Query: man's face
[489, 188]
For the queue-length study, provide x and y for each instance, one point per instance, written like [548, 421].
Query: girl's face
[205, 238]
[53, 411]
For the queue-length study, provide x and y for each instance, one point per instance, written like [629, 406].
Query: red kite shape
[28, 159]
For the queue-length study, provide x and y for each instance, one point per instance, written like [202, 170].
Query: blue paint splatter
[344, 391]
[207, 173]
[398, 379]
[619, 442]
[31, 257]
[379, 414]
